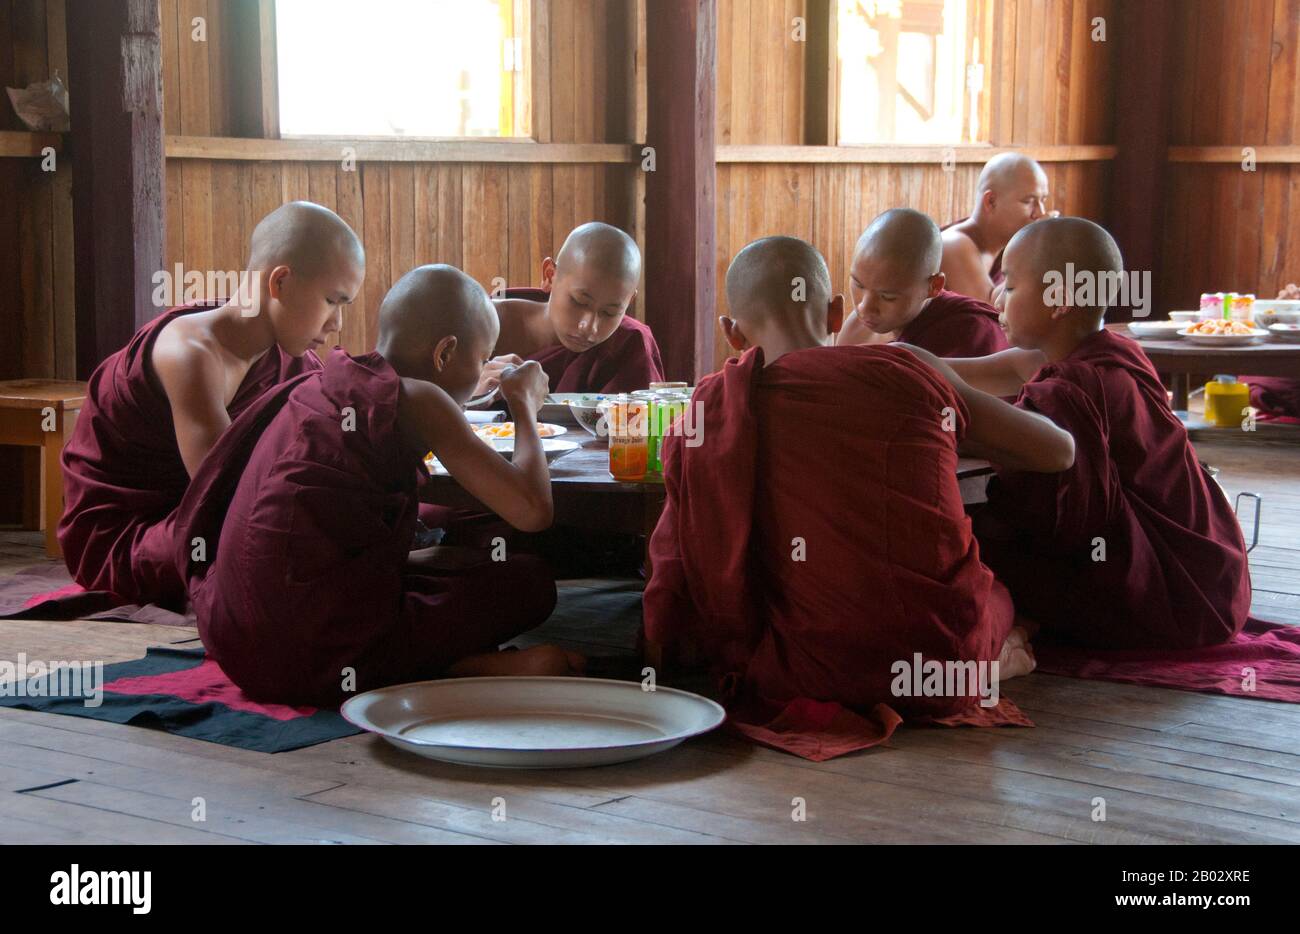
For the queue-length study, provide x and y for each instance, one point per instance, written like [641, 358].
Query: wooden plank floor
[1170, 766]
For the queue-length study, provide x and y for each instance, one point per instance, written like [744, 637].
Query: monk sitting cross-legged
[296, 530]
[1135, 546]
[576, 326]
[897, 288]
[815, 538]
[155, 408]
[1011, 192]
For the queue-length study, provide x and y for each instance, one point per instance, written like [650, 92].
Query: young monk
[777, 560]
[1011, 192]
[295, 534]
[897, 288]
[155, 408]
[576, 325]
[1134, 547]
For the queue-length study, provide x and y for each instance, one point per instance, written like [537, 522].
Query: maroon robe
[1175, 573]
[628, 360]
[955, 325]
[123, 473]
[307, 526]
[1274, 396]
[891, 566]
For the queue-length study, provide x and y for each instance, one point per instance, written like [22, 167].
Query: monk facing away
[898, 289]
[1011, 192]
[1135, 546]
[295, 535]
[816, 537]
[576, 325]
[155, 408]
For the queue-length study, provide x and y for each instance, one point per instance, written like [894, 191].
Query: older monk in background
[1011, 192]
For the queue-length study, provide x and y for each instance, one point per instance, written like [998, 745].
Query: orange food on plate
[1220, 327]
[507, 430]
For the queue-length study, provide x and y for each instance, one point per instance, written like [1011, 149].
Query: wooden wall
[36, 300]
[1227, 228]
[1053, 94]
[491, 219]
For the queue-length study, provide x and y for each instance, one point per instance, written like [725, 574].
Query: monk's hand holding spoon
[492, 371]
[524, 387]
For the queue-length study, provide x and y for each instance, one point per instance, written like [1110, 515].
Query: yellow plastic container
[1225, 398]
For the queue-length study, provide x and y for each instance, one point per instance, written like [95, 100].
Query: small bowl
[1188, 316]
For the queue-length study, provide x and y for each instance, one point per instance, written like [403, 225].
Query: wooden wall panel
[1226, 227]
[36, 303]
[492, 220]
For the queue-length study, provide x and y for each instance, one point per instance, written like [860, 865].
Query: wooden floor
[1171, 766]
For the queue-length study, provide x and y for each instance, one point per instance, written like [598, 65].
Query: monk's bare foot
[1017, 656]
[1030, 626]
[539, 660]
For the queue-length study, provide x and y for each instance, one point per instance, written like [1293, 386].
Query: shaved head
[311, 240]
[602, 250]
[428, 304]
[778, 277]
[1049, 244]
[1008, 172]
[905, 239]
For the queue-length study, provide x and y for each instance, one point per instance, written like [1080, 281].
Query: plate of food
[1221, 332]
[497, 431]
[1157, 330]
[532, 722]
[553, 448]
[1285, 332]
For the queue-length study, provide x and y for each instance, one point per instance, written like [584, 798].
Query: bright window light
[909, 73]
[408, 68]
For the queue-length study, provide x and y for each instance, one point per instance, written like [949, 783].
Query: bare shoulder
[186, 348]
[957, 242]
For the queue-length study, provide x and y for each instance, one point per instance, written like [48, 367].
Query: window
[403, 68]
[909, 72]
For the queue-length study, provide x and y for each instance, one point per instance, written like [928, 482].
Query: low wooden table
[40, 413]
[1181, 359]
[587, 497]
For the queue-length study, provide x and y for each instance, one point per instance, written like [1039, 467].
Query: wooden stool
[40, 413]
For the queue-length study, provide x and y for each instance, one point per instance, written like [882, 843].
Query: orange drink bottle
[628, 448]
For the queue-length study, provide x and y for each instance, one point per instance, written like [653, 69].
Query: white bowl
[1188, 316]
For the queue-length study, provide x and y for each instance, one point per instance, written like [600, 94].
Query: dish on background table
[532, 722]
[1162, 330]
[1285, 332]
[1222, 333]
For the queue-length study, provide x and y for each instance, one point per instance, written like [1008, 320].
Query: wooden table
[1181, 359]
[40, 413]
[587, 497]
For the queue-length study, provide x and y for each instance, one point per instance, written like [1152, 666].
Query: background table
[1181, 359]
